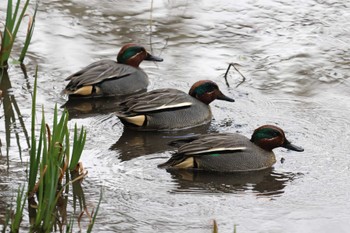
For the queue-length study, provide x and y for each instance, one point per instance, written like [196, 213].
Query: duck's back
[164, 109]
[110, 78]
[181, 118]
[135, 81]
[227, 152]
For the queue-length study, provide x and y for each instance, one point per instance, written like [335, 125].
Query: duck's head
[269, 137]
[133, 55]
[207, 91]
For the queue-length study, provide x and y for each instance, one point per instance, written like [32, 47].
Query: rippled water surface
[295, 57]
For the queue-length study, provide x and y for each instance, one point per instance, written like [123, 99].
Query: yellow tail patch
[87, 90]
[188, 163]
[136, 120]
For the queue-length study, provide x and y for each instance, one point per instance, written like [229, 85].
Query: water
[295, 57]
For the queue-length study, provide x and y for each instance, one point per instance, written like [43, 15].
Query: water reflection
[83, 108]
[14, 123]
[62, 208]
[133, 144]
[296, 60]
[265, 182]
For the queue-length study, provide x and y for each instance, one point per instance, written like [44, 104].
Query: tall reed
[49, 160]
[14, 18]
[53, 157]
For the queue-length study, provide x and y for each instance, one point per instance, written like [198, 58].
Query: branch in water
[228, 68]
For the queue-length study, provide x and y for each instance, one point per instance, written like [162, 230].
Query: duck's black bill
[224, 97]
[290, 146]
[150, 57]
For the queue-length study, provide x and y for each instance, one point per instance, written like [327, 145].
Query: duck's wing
[208, 144]
[157, 100]
[98, 72]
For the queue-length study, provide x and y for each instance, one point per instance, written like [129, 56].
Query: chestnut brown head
[133, 55]
[269, 137]
[207, 91]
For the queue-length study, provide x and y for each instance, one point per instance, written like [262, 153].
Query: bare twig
[165, 45]
[228, 68]
[150, 26]
[151, 31]
[36, 187]
[63, 170]
[79, 219]
[48, 135]
[30, 22]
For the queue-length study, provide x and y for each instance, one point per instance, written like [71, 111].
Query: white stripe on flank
[219, 149]
[179, 105]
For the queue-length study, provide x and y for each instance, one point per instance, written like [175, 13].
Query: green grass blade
[19, 210]
[19, 21]
[33, 170]
[78, 146]
[47, 161]
[6, 39]
[12, 24]
[215, 227]
[20, 118]
[67, 154]
[29, 35]
[7, 35]
[91, 225]
[14, 17]
[69, 228]
[41, 191]
[6, 221]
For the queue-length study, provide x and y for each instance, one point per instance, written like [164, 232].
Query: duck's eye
[275, 134]
[210, 87]
[136, 49]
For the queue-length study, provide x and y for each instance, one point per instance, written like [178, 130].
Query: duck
[112, 78]
[170, 109]
[230, 152]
